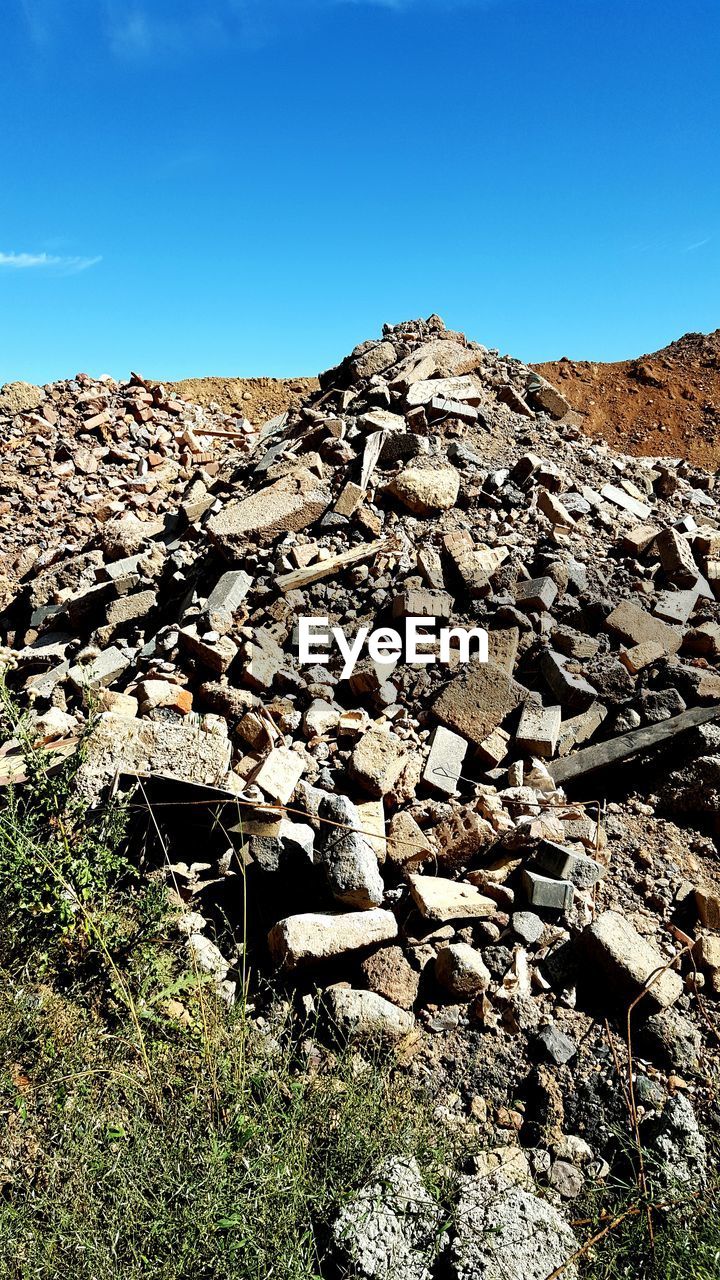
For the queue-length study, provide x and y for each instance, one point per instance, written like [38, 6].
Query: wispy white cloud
[697, 244]
[46, 262]
[140, 30]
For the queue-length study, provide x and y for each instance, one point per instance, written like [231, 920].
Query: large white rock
[426, 489]
[314, 936]
[504, 1232]
[366, 1015]
[390, 1230]
[466, 389]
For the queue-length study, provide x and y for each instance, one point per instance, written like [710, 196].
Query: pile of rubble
[428, 839]
[77, 454]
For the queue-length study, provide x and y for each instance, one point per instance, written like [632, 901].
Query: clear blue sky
[251, 186]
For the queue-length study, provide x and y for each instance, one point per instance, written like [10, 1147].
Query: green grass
[149, 1133]
[234, 1171]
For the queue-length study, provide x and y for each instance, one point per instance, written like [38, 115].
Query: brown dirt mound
[256, 399]
[666, 403]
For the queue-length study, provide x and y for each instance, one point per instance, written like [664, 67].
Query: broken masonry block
[543, 891]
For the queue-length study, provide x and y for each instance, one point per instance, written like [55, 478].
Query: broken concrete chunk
[407, 844]
[390, 1230]
[465, 389]
[426, 489]
[461, 836]
[103, 670]
[622, 499]
[214, 651]
[279, 773]
[446, 900]
[554, 509]
[676, 606]
[364, 1015]
[226, 597]
[707, 901]
[503, 646]
[377, 762]
[505, 1232]
[312, 937]
[543, 395]
[372, 822]
[639, 656]
[676, 556]
[543, 891]
[537, 732]
[346, 854]
[537, 594]
[565, 864]
[629, 962]
[289, 505]
[638, 539]
[349, 499]
[444, 763]
[388, 974]
[478, 700]
[170, 748]
[152, 694]
[377, 357]
[423, 604]
[460, 969]
[569, 685]
[635, 626]
[127, 608]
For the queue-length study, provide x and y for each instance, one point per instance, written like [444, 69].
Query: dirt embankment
[254, 398]
[665, 403]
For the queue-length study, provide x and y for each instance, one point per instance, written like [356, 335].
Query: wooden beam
[300, 578]
[590, 759]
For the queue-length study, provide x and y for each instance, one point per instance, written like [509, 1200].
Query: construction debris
[407, 827]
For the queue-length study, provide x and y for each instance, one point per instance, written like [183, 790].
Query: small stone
[527, 926]
[566, 1179]
[460, 970]
[388, 974]
[555, 1044]
[366, 1016]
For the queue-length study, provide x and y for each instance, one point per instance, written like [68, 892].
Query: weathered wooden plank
[300, 578]
[590, 759]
